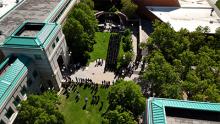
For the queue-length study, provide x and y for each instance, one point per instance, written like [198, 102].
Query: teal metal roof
[206, 106]
[39, 40]
[10, 78]
[158, 113]
[156, 108]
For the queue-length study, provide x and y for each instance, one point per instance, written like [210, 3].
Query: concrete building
[188, 14]
[34, 47]
[171, 111]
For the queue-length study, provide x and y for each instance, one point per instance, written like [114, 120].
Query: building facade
[35, 50]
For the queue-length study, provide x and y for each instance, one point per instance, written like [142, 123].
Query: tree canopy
[118, 116]
[40, 109]
[182, 62]
[79, 30]
[128, 8]
[128, 96]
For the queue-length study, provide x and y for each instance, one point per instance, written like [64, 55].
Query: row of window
[16, 102]
[54, 44]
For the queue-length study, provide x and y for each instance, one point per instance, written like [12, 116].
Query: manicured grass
[101, 46]
[73, 111]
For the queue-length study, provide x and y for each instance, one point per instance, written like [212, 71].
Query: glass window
[53, 45]
[23, 91]
[17, 101]
[9, 113]
[37, 57]
[57, 39]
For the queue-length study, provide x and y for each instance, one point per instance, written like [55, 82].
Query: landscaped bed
[76, 113]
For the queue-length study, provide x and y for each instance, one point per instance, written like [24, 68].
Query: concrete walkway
[97, 74]
[134, 44]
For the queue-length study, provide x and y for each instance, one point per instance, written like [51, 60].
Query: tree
[90, 3]
[127, 43]
[128, 8]
[182, 62]
[79, 43]
[118, 116]
[197, 39]
[128, 95]
[79, 31]
[85, 20]
[113, 9]
[158, 73]
[128, 57]
[201, 90]
[40, 109]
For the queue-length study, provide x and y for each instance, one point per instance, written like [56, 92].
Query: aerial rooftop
[31, 34]
[32, 10]
[171, 111]
[190, 15]
[194, 3]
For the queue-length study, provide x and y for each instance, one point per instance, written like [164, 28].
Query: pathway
[97, 74]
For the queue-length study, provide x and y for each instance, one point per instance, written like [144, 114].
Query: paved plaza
[97, 74]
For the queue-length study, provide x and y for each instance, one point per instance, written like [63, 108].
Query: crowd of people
[99, 62]
[85, 83]
[105, 84]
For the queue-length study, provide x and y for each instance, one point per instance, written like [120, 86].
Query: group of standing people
[99, 62]
[105, 84]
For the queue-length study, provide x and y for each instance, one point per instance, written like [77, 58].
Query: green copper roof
[156, 108]
[38, 40]
[10, 78]
[158, 113]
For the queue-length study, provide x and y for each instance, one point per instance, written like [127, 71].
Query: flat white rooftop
[190, 16]
[32, 10]
[7, 5]
[194, 3]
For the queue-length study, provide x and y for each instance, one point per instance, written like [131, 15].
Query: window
[29, 82]
[53, 45]
[17, 101]
[9, 113]
[35, 74]
[37, 57]
[23, 91]
[57, 39]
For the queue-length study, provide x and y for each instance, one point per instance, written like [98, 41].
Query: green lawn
[73, 111]
[101, 46]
